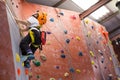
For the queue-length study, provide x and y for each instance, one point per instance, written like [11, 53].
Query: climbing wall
[75, 49]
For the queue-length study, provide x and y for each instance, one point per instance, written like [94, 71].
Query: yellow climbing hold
[110, 42]
[17, 57]
[52, 79]
[23, 64]
[30, 74]
[66, 74]
[89, 34]
[78, 38]
[92, 62]
[92, 54]
[78, 70]
[110, 58]
[48, 43]
[86, 21]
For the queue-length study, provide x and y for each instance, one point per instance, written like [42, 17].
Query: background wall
[86, 56]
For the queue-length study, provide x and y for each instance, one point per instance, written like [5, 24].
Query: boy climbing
[32, 41]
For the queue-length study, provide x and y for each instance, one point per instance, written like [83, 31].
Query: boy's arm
[26, 23]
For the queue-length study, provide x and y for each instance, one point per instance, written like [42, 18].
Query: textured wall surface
[7, 70]
[87, 57]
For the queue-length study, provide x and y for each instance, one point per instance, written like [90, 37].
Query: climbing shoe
[27, 64]
[30, 57]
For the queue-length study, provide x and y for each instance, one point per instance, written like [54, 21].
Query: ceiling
[111, 21]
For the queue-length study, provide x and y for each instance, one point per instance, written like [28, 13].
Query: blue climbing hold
[61, 13]
[97, 42]
[65, 31]
[67, 41]
[72, 70]
[92, 27]
[80, 54]
[52, 19]
[48, 32]
[63, 56]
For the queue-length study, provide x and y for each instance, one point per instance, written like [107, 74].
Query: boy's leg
[26, 50]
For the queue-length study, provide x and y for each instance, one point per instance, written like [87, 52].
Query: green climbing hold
[36, 63]
[37, 76]
[52, 79]
[43, 57]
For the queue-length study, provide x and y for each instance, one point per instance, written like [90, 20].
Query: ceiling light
[101, 12]
[85, 4]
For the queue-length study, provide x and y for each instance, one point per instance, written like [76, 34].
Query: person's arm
[26, 23]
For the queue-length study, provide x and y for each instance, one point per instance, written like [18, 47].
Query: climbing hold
[52, 19]
[72, 70]
[23, 64]
[92, 27]
[88, 34]
[37, 76]
[86, 21]
[17, 57]
[105, 67]
[61, 13]
[52, 79]
[57, 67]
[78, 38]
[67, 41]
[78, 70]
[100, 52]
[92, 62]
[66, 74]
[62, 51]
[110, 58]
[30, 74]
[95, 66]
[48, 32]
[73, 17]
[43, 57]
[89, 44]
[48, 43]
[36, 63]
[102, 59]
[80, 54]
[18, 71]
[92, 54]
[97, 42]
[27, 71]
[65, 31]
[110, 77]
[63, 56]
[110, 42]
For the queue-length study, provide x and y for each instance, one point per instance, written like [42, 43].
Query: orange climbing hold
[18, 71]
[26, 71]
[104, 34]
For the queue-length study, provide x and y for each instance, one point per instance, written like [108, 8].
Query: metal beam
[93, 8]
[109, 17]
[117, 28]
[59, 3]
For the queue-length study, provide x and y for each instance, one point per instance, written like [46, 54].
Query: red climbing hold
[26, 71]
[18, 71]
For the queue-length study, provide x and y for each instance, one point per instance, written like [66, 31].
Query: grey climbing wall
[15, 40]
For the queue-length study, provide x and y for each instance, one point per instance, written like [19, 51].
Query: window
[100, 12]
[85, 4]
